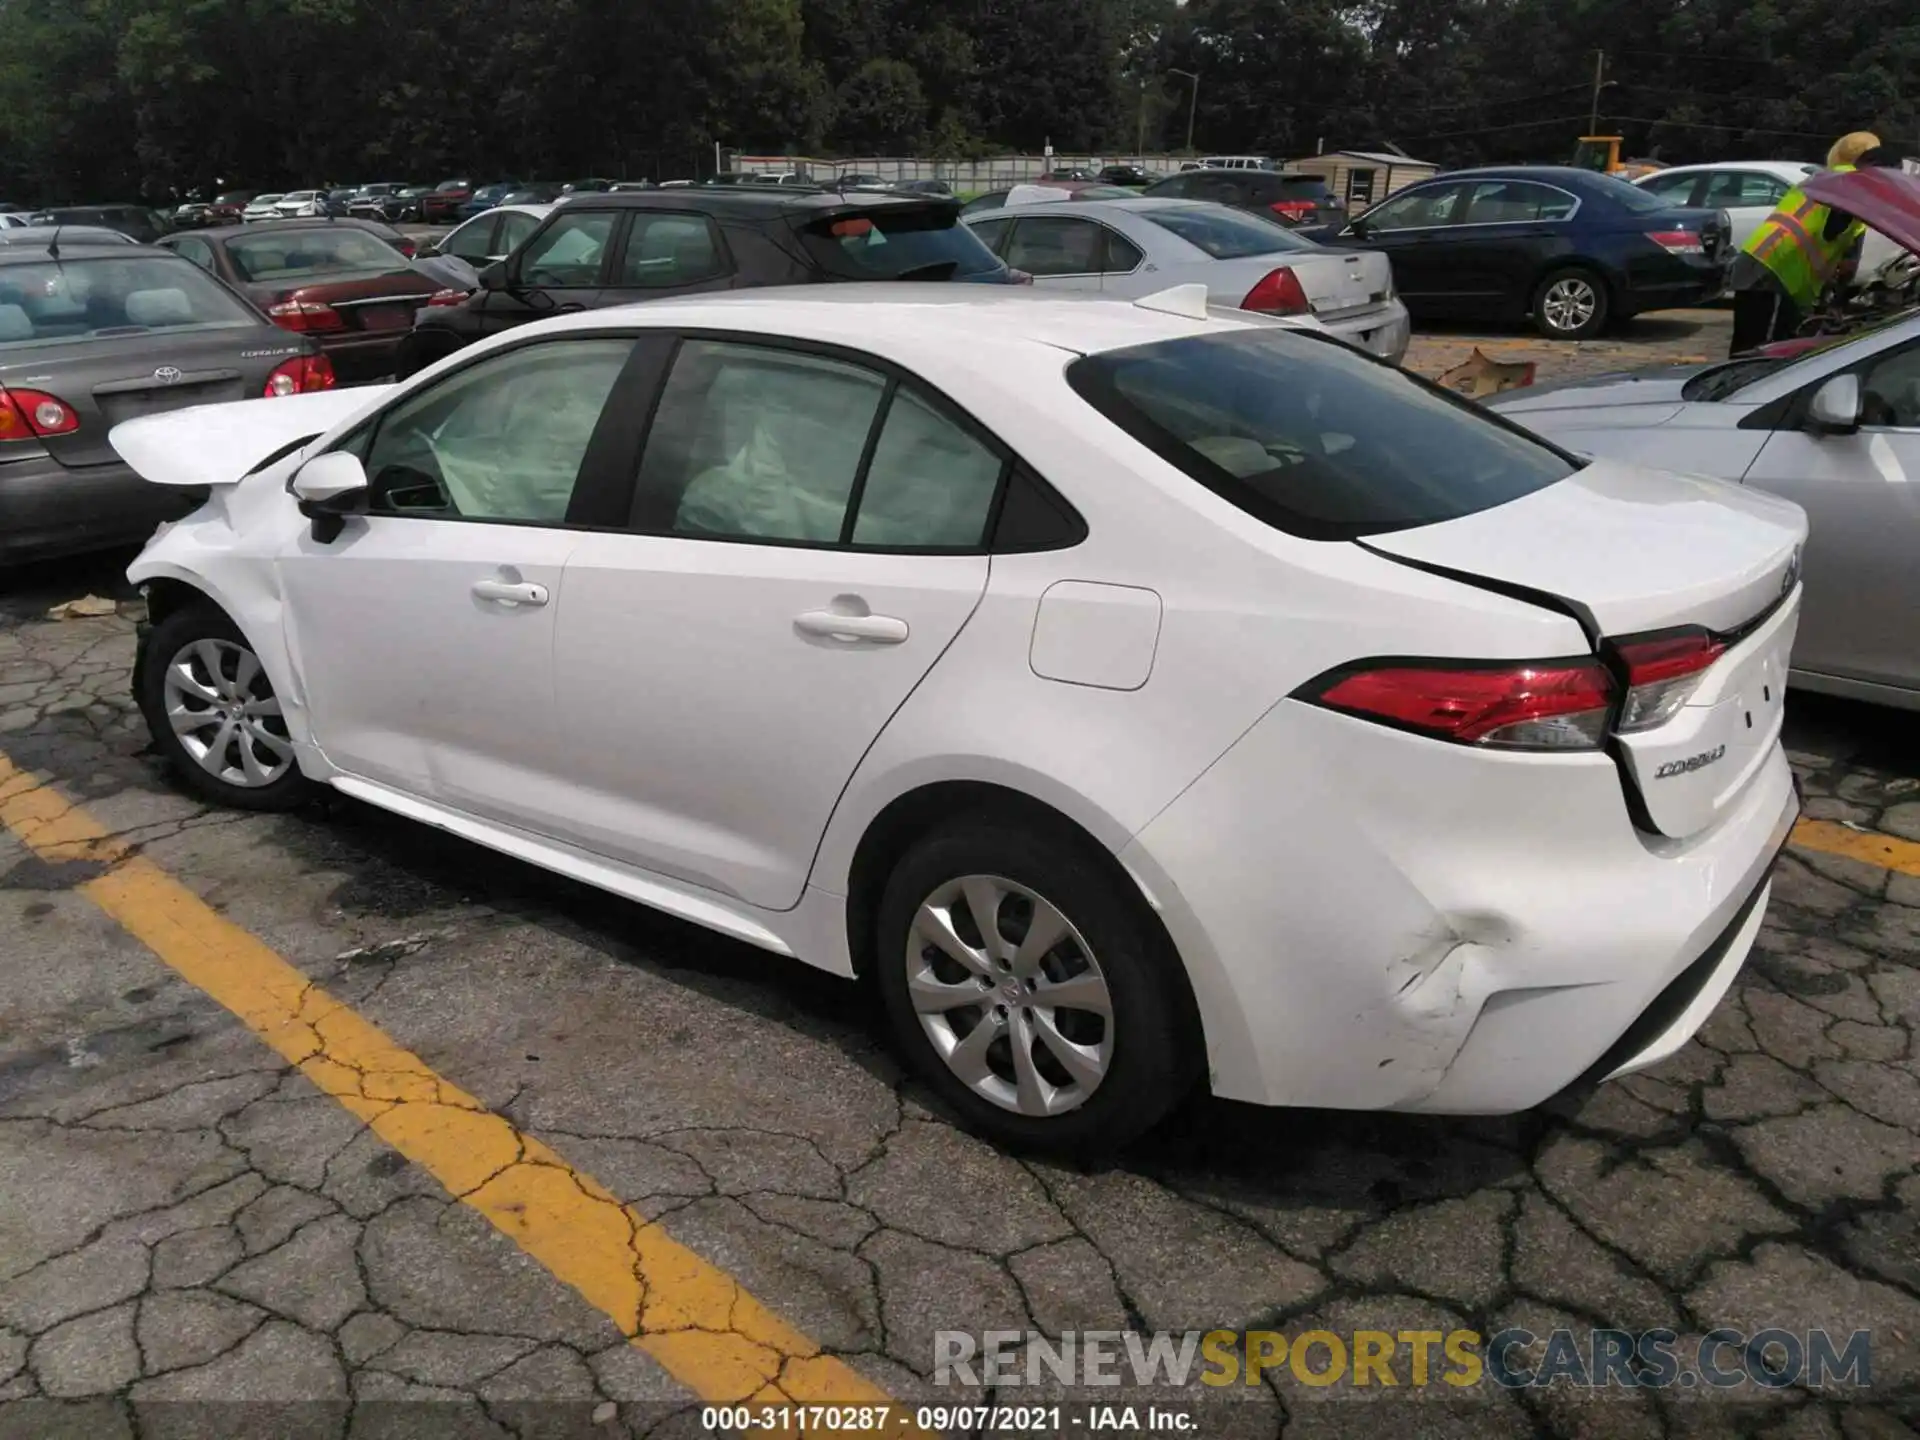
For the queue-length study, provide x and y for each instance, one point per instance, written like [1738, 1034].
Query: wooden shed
[1364, 177]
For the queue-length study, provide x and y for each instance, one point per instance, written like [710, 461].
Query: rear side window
[898, 242]
[1227, 234]
[98, 299]
[668, 250]
[1312, 437]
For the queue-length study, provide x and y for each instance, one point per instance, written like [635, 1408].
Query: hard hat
[1849, 148]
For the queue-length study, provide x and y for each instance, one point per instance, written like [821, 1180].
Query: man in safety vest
[1795, 253]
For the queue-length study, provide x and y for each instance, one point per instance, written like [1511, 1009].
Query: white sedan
[1141, 697]
[1130, 248]
[493, 234]
[1748, 190]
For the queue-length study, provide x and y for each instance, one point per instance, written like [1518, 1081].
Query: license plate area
[386, 317]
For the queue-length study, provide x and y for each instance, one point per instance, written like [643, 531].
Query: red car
[336, 280]
[441, 205]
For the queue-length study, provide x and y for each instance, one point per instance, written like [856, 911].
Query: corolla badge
[167, 374]
[1690, 764]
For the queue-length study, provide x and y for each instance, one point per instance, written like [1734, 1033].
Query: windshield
[267, 199]
[277, 254]
[903, 242]
[1226, 234]
[1311, 436]
[99, 299]
[232, 197]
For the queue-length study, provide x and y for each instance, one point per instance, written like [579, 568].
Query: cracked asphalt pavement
[202, 1232]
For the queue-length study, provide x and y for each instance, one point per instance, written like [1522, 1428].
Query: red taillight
[448, 297]
[1279, 293]
[301, 375]
[1291, 210]
[404, 244]
[306, 316]
[1544, 705]
[1678, 242]
[34, 414]
[1663, 671]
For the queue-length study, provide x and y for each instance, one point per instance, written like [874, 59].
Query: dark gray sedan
[101, 333]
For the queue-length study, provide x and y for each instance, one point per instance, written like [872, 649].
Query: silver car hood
[1646, 388]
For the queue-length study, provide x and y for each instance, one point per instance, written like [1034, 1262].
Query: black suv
[1290, 199]
[615, 248]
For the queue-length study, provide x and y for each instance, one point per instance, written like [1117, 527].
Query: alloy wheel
[224, 713]
[1010, 995]
[1570, 303]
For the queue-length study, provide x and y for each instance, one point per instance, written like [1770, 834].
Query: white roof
[1376, 156]
[1779, 169]
[916, 325]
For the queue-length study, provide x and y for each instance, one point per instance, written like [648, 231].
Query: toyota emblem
[167, 374]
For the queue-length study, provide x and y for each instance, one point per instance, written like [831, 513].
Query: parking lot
[304, 1117]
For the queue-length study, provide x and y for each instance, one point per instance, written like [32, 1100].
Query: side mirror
[494, 277]
[325, 487]
[1835, 407]
[426, 250]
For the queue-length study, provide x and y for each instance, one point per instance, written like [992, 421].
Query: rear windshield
[1304, 186]
[1311, 436]
[276, 254]
[1629, 196]
[1226, 234]
[904, 242]
[97, 299]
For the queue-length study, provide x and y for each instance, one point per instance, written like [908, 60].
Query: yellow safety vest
[1791, 243]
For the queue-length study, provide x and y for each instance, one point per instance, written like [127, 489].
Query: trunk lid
[375, 301]
[1339, 282]
[111, 380]
[1631, 553]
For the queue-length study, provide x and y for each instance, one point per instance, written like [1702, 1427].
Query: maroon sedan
[336, 280]
[441, 205]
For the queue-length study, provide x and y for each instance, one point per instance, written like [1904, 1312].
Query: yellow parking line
[695, 1319]
[1889, 852]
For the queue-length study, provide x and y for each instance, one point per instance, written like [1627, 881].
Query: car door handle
[874, 629]
[503, 593]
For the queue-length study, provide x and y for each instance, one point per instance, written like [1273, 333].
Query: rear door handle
[502, 592]
[874, 629]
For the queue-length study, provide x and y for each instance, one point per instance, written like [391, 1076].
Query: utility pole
[1599, 78]
[1140, 144]
[1193, 102]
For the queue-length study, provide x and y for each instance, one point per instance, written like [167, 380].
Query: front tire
[213, 714]
[1571, 304]
[1032, 990]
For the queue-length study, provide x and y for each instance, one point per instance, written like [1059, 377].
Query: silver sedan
[1128, 249]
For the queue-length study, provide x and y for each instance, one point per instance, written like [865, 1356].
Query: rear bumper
[48, 510]
[1372, 920]
[365, 356]
[1669, 282]
[1385, 331]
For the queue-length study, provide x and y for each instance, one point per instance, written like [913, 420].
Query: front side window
[296, 256]
[1417, 209]
[992, 232]
[1226, 234]
[569, 251]
[64, 300]
[501, 441]
[1890, 391]
[473, 241]
[1736, 188]
[668, 250]
[514, 228]
[1312, 437]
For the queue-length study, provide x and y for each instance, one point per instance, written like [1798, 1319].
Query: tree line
[113, 99]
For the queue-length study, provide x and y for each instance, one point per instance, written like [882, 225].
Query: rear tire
[1571, 304]
[213, 714]
[970, 1009]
